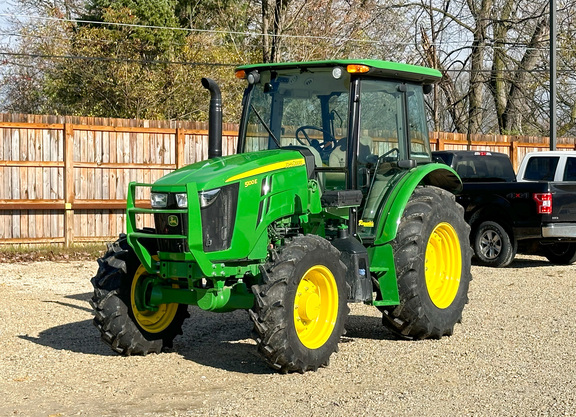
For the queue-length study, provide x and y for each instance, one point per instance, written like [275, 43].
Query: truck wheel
[493, 245]
[432, 258]
[122, 326]
[562, 253]
[301, 307]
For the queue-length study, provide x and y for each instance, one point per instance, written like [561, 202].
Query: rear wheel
[432, 259]
[125, 328]
[562, 253]
[493, 245]
[301, 307]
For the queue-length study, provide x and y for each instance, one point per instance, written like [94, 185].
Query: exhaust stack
[214, 118]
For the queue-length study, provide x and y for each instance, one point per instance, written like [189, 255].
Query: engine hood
[224, 170]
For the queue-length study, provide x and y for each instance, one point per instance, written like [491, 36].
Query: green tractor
[331, 198]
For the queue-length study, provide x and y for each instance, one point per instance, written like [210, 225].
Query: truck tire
[562, 253]
[301, 306]
[432, 258]
[493, 246]
[125, 329]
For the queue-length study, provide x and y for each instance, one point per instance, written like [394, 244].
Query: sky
[6, 6]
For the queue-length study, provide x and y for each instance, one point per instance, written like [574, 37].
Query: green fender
[435, 174]
[381, 253]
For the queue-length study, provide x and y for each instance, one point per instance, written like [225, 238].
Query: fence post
[514, 154]
[68, 184]
[179, 147]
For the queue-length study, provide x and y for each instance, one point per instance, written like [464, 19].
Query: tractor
[331, 198]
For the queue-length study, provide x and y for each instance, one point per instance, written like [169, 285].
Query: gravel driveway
[513, 355]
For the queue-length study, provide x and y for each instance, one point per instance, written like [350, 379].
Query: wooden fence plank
[68, 184]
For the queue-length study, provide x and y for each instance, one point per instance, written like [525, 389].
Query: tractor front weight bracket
[210, 293]
[221, 298]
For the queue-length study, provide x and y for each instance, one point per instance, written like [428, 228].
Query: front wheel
[125, 328]
[432, 260]
[301, 306]
[493, 245]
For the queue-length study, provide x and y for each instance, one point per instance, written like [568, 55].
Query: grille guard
[193, 233]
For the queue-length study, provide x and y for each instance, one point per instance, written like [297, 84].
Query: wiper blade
[265, 126]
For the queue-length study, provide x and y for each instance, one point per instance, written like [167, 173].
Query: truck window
[484, 168]
[541, 168]
[570, 170]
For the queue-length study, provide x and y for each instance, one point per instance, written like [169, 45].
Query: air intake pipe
[214, 118]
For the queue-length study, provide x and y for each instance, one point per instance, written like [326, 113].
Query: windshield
[298, 108]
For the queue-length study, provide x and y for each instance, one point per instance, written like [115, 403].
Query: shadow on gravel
[79, 337]
[530, 263]
[221, 341]
[367, 327]
[81, 297]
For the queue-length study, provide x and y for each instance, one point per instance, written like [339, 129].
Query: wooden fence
[63, 180]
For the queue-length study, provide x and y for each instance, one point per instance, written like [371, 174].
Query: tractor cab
[364, 122]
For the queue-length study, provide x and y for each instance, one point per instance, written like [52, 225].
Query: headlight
[208, 197]
[182, 200]
[158, 200]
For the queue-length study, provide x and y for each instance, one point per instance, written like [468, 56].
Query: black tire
[114, 315]
[493, 246]
[289, 340]
[432, 283]
[561, 253]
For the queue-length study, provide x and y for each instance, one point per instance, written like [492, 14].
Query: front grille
[218, 219]
[172, 224]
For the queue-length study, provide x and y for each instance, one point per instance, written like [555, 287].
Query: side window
[417, 127]
[570, 170]
[381, 124]
[541, 168]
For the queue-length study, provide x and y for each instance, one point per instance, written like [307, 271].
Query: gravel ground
[513, 355]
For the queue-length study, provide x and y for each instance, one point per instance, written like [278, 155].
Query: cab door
[392, 139]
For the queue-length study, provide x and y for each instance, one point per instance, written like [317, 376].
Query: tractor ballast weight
[332, 198]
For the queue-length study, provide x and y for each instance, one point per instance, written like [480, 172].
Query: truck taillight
[543, 202]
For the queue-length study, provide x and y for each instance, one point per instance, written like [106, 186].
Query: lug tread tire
[272, 313]
[416, 317]
[110, 301]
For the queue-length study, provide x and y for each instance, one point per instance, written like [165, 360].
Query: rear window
[541, 168]
[485, 168]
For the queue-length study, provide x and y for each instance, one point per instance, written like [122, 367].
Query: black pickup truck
[509, 217]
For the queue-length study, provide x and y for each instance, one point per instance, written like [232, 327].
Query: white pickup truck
[555, 166]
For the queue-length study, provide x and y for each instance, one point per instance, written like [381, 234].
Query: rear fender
[438, 175]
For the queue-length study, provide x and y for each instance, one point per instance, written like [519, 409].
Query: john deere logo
[172, 221]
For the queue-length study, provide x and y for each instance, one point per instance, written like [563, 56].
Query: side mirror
[407, 164]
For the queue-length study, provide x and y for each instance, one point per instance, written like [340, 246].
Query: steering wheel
[325, 146]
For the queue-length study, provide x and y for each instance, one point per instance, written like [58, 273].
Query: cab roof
[378, 68]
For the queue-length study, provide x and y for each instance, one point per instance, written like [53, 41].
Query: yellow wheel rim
[316, 307]
[150, 321]
[443, 265]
